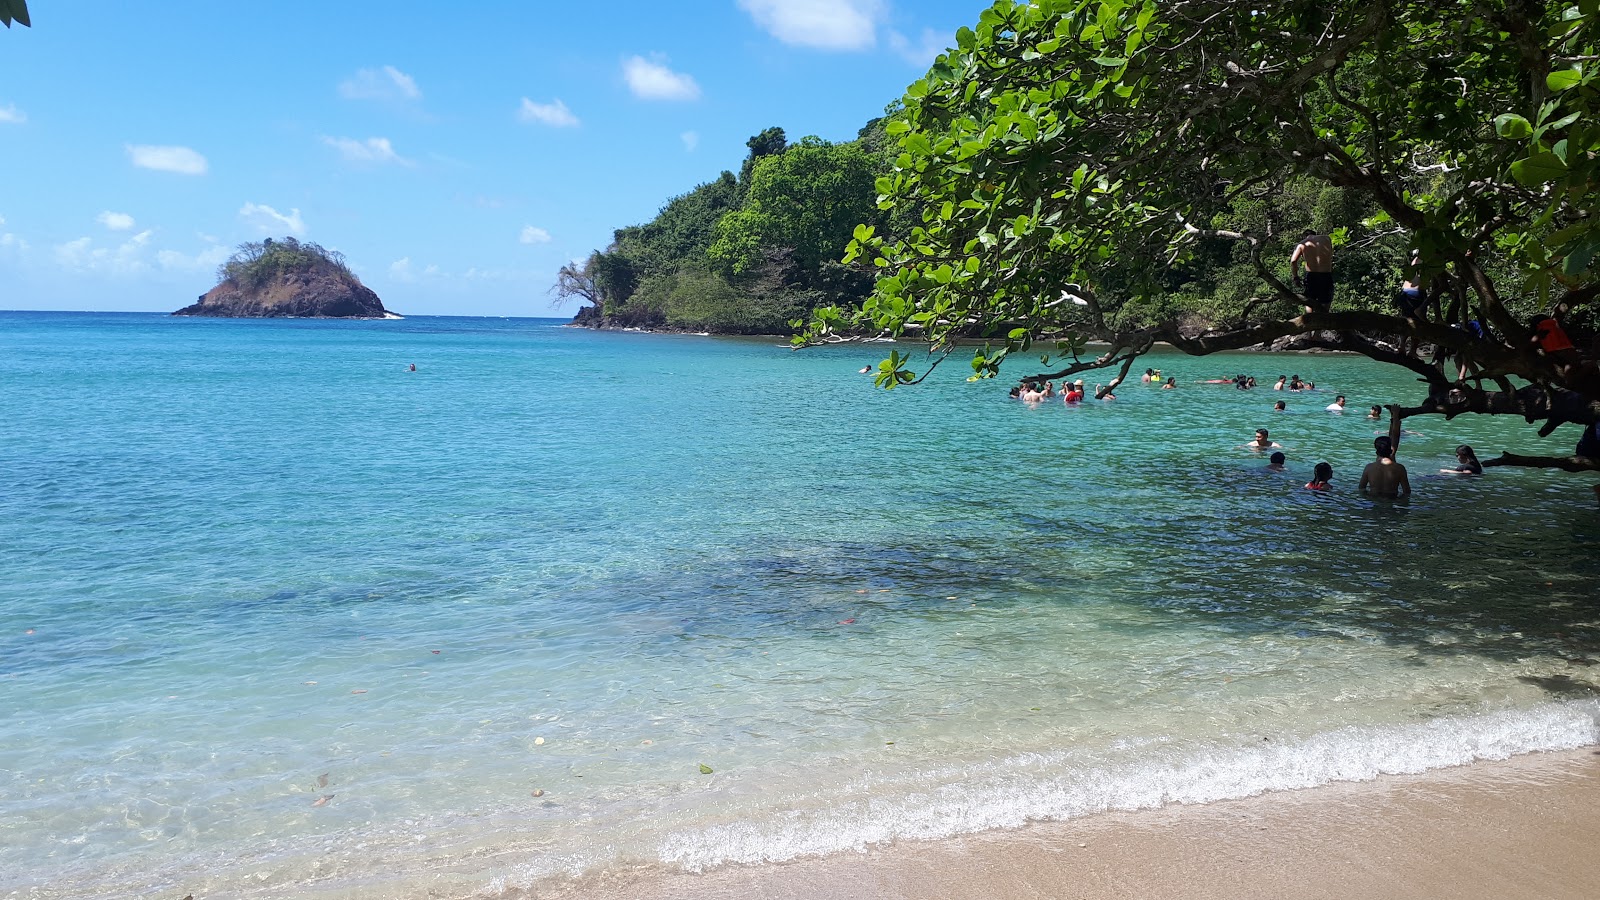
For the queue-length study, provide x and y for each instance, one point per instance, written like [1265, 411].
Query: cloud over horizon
[822, 24]
[115, 221]
[555, 113]
[10, 115]
[654, 81]
[372, 150]
[386, 83]
[158, 158]
[532, 235]
[269, 221]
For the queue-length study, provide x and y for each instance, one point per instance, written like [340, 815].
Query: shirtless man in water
[1315, 251]
[1385, 477]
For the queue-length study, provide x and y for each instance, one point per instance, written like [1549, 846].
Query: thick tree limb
[1565, 463]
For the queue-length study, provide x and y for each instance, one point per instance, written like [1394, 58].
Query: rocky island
[287, 278]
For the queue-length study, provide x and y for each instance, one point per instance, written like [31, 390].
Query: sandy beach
[1525, 828]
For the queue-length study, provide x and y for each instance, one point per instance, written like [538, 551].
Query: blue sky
[458, 154]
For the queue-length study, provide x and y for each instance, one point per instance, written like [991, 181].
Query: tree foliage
[748, 254]
[254, 264]
[14, 10]
[1081, 166]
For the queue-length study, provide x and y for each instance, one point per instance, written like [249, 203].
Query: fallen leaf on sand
[311, 682]
[322, 780]
[883, 590]
[861, 592]
[323, 800]
[29, 631]
[359, 691]
[648, 742]
[705, 769]
[538, 741]
[539, 792]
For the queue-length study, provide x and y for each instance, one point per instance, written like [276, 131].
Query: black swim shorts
[1319, 290]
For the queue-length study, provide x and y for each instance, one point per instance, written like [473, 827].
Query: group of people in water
[1383, 477]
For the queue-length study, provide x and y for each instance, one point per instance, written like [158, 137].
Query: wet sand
[1524, 828]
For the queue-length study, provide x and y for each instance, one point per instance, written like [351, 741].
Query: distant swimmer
[1466, 462]
[1275, 462]
[1280, 406]
[1262, 442]
[413, 367]
[1101, 392]
[1337, 405]
[1375, 413]
[1149, 376]
[863, 370]
[1385, 477]
[1171, 385]
[1282, 380]
[1320, 476]
[1073, 393]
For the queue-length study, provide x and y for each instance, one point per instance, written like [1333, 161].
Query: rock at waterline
[287, 278]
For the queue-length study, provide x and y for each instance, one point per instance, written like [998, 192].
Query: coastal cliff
[287, 279]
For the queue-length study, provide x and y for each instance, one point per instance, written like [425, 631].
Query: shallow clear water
[238, 555]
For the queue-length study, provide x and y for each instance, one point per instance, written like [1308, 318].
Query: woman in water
[1320, 476]
[1172, 384]
[1466, 462]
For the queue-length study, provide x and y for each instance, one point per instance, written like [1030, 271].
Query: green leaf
[1512, 126]
[1563, 79]
[1541, 168]
[1110, 61]
[705, 769]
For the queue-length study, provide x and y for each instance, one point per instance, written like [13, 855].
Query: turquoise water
[238, 556]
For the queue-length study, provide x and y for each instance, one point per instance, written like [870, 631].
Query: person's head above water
[1465, 453]
[1280, 406]
[1323, 472]
[1383, 447]
[1277, 458]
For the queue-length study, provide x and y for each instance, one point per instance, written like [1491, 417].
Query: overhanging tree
[1070, 155]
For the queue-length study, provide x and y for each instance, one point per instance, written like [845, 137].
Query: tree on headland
[1077, 164]
[14, 9]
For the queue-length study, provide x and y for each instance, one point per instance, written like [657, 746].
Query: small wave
[1064, 785]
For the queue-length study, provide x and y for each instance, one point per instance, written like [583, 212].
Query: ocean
[280, 617]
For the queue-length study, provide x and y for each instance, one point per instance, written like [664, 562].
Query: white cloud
[181, 160]
[270, 221]
[921, 52]
[10, 115]
[654, 81]
[124, 259]
[691, 140]
[371, 150]
[532, 235]
[204, 261]
[387, 83]
[400, 270]
[824, 24]
[555, 114]
[115, 221]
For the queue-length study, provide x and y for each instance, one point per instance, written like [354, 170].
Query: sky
[457, 154]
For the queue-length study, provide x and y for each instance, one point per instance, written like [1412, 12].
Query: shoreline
[1528, 826]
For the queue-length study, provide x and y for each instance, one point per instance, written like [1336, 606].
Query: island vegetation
[287, 278]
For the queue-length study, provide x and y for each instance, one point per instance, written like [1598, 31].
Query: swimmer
[1073, 394]
[1280, 406]
[1466, 462]
[1282, 380]
[413, 367]
[1275, 461]
[1149, 376]
[1262, 442]
[1171, 385]
[1376, 413]
[1385, 477]
[1320, 476]
[1101, 392]
[1337, 405]
[863, 370]
[1049, 389]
